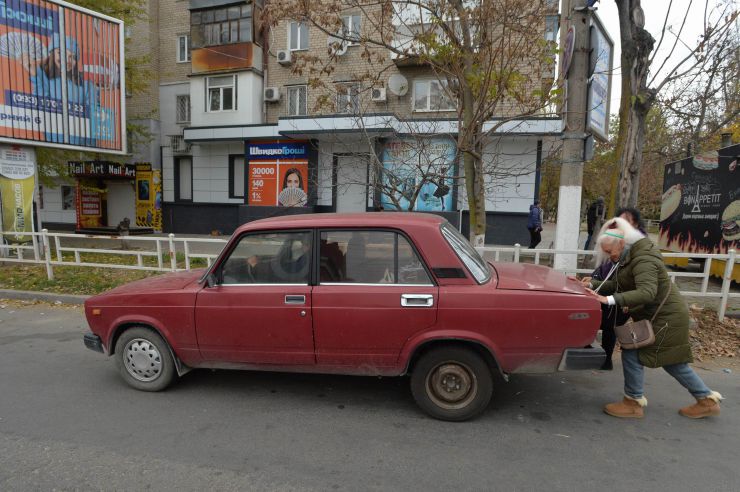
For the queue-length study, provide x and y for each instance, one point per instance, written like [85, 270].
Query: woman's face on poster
[71, 60]
[293, 181]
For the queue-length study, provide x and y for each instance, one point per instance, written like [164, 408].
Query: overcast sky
[655, 15]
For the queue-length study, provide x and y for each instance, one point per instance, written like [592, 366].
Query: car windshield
[473, 261]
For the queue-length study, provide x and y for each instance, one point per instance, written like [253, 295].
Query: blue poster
[420, 167]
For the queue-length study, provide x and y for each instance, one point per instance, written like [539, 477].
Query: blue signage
[291, 150]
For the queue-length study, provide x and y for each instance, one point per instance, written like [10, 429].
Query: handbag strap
[670, 286]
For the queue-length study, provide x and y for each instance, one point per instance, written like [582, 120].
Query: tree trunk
[636, 100]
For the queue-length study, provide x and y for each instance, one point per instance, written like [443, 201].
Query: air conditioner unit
[378, 94]
[272, 94]
[284, 57]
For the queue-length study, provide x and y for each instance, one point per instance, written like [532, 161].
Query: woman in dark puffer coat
[640, 284]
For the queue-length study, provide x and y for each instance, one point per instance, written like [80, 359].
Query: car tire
[452, 383]
[144, 359]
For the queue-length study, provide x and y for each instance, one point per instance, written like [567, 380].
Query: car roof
[362, 219]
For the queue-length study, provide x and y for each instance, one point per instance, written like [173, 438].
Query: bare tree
[489, 57]
[643, 78]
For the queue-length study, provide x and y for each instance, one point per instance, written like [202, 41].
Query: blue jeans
[634, 374]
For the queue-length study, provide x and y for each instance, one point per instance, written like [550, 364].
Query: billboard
[599, 83]
[61, 77]
[278, 174]
[700, 212]
[406, 162]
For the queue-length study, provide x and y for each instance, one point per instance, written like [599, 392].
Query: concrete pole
[574, 133]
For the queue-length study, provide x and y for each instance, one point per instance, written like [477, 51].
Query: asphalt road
[67, 421]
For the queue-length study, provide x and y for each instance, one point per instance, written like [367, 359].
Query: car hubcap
[451, 385]
[142, 360]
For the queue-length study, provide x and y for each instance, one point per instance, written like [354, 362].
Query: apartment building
[234, 125]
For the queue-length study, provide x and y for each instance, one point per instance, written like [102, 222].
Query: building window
[348, 98]
[237, 176]
[297, 105]
[224, 25]
[184, 179]
[182, 109]
[221, 93]
[298, 36]
[351, 28]
[432, 95]
[68, 198]
[183, 48]
[551, 28]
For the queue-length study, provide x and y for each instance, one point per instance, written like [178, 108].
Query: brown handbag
[638, 334]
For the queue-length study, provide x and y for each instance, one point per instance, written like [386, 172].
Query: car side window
[271, 258]
[369, 257]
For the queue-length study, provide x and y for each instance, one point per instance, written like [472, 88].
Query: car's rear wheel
[144, 359]
[452, 383]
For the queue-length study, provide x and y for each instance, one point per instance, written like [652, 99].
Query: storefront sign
[421, 168]
[278, 174]
[101, 169]
[148, 197]
[89, 204]
[17, 184]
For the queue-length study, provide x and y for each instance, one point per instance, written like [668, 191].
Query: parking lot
[67, 421]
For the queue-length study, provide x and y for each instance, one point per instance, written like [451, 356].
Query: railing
[170, 253]
[586, 257]
[163, 250]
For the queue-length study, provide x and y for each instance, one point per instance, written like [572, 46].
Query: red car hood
[168, 281]
[521, 276]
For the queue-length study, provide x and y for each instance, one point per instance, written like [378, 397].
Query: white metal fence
[585, 257]
[171, 253]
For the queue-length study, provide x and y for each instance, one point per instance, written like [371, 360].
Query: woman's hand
[600, 298]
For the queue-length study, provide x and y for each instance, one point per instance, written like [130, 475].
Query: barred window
[297, 101]
[182, 109]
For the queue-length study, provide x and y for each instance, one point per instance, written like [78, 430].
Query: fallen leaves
[712, 338]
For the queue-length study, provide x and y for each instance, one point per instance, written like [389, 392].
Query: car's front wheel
[452, 383]
[144, 359]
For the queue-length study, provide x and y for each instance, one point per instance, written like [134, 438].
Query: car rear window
[472, 259]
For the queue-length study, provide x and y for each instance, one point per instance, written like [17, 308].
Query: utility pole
[576, 14]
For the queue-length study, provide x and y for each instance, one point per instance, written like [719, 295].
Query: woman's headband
[613, 234]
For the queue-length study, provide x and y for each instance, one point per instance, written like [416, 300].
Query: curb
[27, 295]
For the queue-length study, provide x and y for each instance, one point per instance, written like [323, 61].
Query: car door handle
[417, 300]
[295, 299]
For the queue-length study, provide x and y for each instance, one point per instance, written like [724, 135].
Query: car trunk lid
[521, 276]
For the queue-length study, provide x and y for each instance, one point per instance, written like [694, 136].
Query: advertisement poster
[700, 212]
[17, 184]
[599, 85]
[148, 197]
[406, 164]
[89, 204]
[60, 76]
[278, 174]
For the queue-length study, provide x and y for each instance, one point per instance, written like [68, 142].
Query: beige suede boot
[628, 408]
[704, 407]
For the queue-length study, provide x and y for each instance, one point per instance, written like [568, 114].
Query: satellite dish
[337, 46]
[398, 85]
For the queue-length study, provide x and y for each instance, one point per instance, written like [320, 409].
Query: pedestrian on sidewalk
[641, 284]
[594, 217]
[534, 224]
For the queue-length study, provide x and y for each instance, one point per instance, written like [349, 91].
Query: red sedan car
[384, 294]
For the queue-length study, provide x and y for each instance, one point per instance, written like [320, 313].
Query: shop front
[114, 198]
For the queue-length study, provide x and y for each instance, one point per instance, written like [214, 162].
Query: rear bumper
[93, 342]
[582, 358]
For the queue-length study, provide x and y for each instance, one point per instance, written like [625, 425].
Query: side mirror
[210, 280]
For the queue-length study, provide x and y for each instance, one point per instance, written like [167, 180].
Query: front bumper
[582, 358]
[93, 342]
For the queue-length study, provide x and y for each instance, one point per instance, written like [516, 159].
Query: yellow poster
[148, 197]
[17, 185]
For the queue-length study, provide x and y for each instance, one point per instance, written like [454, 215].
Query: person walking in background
[633, 216]
[594, 217]
[534, 224]
[642, 285]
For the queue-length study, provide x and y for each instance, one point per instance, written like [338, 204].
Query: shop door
[121, 203]
[351, 184]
